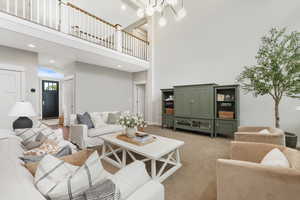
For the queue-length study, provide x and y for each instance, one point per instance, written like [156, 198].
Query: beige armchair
[244, 178]
[251, 134]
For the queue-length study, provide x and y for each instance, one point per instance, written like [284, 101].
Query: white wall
[140, 76]
[29, 61]
[102, 89]
[214, 42]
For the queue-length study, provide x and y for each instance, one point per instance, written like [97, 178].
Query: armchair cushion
[275, 158]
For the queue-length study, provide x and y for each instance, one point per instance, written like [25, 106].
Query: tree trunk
[277, 118]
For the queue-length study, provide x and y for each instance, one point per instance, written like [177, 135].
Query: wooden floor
[66, 130]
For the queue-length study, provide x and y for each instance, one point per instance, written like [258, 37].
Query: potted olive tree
[277, 72]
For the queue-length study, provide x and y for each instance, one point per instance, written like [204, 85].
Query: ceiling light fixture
[52, 61]
[159, 6]
[123, 7]
[31, 45]
[120, 66]
[162, 21]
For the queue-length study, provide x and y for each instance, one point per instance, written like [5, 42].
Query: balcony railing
[72, 20]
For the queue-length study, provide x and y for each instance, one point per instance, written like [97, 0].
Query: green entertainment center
[204, 108]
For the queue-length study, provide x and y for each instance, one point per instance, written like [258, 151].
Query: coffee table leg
[153, 169]
[124, 157]
[104, 149]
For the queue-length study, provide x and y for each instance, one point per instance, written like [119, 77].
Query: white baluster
[16, 7]
[56, 14]
[7, 6]
[50, 13]
[24, 11]
[38, 11]
[44, 12]
[31, 10]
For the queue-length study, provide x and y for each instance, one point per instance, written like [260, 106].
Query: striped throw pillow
[56, 179]
[29, 134]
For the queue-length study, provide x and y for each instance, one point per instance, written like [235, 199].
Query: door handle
[43, 102]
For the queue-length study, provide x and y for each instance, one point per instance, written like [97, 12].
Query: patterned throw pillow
[48, 147]
[58, 180]
[29, 134]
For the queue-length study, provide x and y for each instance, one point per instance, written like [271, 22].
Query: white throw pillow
[66, 183]
[265, 131]
[275, 158]
[97, 120]
[130, 178]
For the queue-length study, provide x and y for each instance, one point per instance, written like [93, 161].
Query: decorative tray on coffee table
[135, 140]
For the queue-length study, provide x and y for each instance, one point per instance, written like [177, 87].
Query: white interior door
[68, 100]
[140, 100]
[10, 92]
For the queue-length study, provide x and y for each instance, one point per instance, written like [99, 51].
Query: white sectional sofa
[16, 182]
[84, 137]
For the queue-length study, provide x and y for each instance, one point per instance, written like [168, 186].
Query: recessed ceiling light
[120, 66]
[123, 7]
[52, 61]
[31, 45]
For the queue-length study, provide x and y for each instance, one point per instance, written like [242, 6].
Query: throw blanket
[105, 190]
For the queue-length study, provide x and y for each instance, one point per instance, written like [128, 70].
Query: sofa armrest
[152, 190]
[238, 180]
[131, 178]
[79, 134]
[271, 138]
[251, 151]
[252, 128]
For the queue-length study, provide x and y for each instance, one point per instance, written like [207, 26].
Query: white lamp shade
[298, 108]
[22, 109]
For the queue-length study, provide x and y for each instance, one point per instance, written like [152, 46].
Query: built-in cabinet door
[200, 102]
[182, 102]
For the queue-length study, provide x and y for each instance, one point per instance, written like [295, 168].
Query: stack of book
[143, 138]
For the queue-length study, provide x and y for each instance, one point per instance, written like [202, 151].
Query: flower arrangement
[132, 121]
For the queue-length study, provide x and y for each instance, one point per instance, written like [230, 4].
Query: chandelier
[159, 6]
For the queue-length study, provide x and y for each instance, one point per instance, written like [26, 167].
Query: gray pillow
[113, 118]
[65, 151]
[85, 119]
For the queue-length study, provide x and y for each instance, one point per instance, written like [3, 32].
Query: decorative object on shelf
[277, 71]
[226, 115]
[220, 97]
[150, 7]
[22, 110]
[169, 111]
[131, 123]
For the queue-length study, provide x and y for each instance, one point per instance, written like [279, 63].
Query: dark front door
[50, 99]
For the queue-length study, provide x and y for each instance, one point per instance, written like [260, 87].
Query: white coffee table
[163, 150]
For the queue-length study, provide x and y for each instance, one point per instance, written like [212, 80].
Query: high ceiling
[110, 10]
